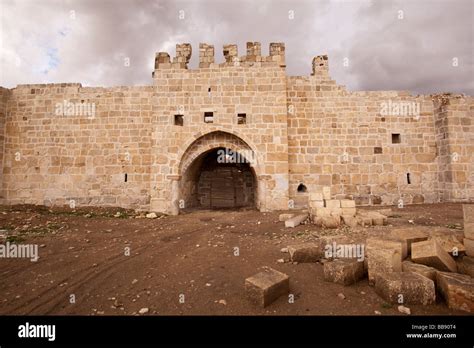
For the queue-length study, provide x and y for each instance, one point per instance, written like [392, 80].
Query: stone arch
[195, 155]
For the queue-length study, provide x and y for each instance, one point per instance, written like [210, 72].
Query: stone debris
[343, 271]
[409, 235]
[430, 253]
[404, 310]
[450, 244]
[341, 296]
[426, 271]
[386, 243]
[383, 261]
[465, 265]
[468, 214]
[151, 216]
[266, 286]
[457, 290]
[284, 217]
[305, 252]
[143, 311]
[409, 287]
[296, 220]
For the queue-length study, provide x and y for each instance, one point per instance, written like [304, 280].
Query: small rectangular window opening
[408, 179]
[178, 120]
[396, 139]
[126, 177]
[208, 117]
[241, 118]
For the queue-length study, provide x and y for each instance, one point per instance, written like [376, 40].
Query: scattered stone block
[430, 253]
[364, 220]
[469, 246]
[409, 235]
[296, 220]
[411, 288]
[316, 204]
[348, 211]
[387, 243]
[343, 271]
[381, 261]
[331, 221]
[465, 265]
[377, 218]
[450, 244]
[347, 203]
[305, 252]
[457, 290]
[333, 203]
[426, 271]
[349, 220]
[284, 217]
[267, 286]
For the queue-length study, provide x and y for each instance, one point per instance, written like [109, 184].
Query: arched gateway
[219, 170]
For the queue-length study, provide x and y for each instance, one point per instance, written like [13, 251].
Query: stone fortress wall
[148, 147]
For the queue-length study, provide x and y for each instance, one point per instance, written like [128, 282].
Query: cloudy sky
[424, 46]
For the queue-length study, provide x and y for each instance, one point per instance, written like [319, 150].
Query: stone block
[267, 286]
[332, 203]
[331, 221]
[349, 220]
[465, 265]
[432, 254]
[405, 288]
[468, 212]
[347, 203]
[326, 192]
[469, 230]
[348, 211]
[377, 218]
[284, 217]
[315, 196]
[457, 290]
[409, 235]
[316, 204]
[296, 220]
[343, 271]
[305, 252]
[426, 271]
[450, 244]
[387, 243]
[469, 246]
[381, 261]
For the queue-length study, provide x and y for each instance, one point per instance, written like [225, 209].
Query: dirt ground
[83, 253]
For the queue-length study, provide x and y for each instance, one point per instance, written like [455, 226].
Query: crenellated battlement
[253, 57]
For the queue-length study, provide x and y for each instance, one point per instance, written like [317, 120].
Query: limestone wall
[69, 156]
[4, 96]
[344, 140]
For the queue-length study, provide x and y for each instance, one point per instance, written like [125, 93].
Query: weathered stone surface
[347, 203]
[267, 286]
[305, 252]
[316, 196]
[469, 230]
[469, 246]
[409, 235]
[387, 243]
[333, 203]
[284, 217]
[412, 288]
[468, 212]
[296, 220]
[450, 244]
[465, 265]
[426, 271]
[343, 271]
[349, 220]
[430, 253]
[381, 261]
[457, 290]
[377, 218]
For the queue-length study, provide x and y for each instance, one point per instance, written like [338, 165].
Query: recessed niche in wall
[302, 188]
[208, 117]
[241, 118]
[396, 138]
[178, 120]
[377, 150]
